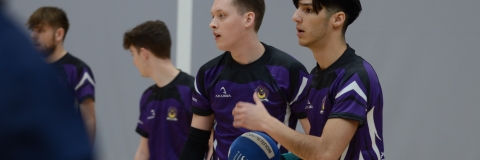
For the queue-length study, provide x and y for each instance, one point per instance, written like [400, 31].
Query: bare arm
[87, 108]
[336, 135]
[210, 146]
[305, 125]
[335, 138]
[142, 152]
[202, 122]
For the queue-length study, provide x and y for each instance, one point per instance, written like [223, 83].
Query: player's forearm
[142, 155]
[87, 108]
[305, 146]
[142, 152]
[210, 146]
[305, 125]
[91, 128]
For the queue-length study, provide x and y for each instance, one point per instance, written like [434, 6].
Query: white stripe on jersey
[373, 131]
[196, 88]
[352, 86]
[344, 153]
[360, 157]
[85, 77]
[286, 120]
[302, 87]
[215, 140]
[215, 145]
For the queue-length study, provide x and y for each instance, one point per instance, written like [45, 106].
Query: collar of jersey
[344, 58]
[262, 60]
[60, 61]
[171, 84]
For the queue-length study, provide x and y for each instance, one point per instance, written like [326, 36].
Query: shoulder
[211, 69]
[78, 63]
[146, 95]
[281, 58]
[215, 62]
[359, 68]
[185, 79]
[359, 74]
[149, 90]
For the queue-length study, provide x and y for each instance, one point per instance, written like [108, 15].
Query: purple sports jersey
[348, 89]
[165, 117]
[278, 78]
[76, 76]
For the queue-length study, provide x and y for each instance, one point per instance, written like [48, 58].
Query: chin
[302, 43]
[143, 74]
[221, 47]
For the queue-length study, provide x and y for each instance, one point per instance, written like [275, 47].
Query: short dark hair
[151, 35]
[53, 16]
[351, 8]
[255, 6]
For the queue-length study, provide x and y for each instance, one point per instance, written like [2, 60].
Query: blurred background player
[165, 115]
[248, 65]
[345, 96]
[37, 117]
[49, 26]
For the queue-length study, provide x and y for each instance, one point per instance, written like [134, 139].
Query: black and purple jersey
[279, 79]
[165, 117]
[348, 89]
[76, 76]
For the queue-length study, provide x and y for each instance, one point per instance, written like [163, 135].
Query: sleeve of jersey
[200, 102]
[298, 85]
[144, 114]
[350, 100]
[85, 85]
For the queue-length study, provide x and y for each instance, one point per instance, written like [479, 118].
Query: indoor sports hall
[426, 55]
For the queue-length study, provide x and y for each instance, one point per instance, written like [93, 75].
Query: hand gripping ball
[254, 146]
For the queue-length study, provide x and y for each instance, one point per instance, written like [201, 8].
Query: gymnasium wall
[425, 54]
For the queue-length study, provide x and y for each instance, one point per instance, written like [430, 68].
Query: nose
[296, 16]
[33, 35]
[213, 24]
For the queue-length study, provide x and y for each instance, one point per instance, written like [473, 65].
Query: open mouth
[217, 36]
[300, 31]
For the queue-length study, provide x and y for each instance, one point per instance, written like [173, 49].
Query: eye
[309, 10]
[222, 15]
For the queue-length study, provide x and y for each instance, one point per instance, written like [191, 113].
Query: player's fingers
[237, 117]
[234, 124]
[236, 110]
[242, 105]
[237, 123]
[256, 99]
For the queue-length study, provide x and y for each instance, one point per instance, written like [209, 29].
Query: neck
[162, 71]
[249, 50]
[58, 53]
[328, 51]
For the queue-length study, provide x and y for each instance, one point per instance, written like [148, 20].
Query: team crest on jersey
[262, 93]
[172, 114]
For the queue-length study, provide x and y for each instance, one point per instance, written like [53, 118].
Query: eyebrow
[304, 4]
[218, 10]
